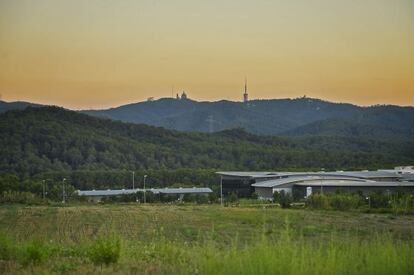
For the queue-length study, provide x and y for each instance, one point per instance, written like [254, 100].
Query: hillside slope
[302, 116]
[39, 140]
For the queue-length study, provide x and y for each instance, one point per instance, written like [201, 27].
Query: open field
[207, 239]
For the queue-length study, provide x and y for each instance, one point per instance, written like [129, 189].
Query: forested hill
[278, 117]
[38, 140]
[299, 117]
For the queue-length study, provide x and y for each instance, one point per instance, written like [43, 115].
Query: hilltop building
[183, 96]
[266, 183]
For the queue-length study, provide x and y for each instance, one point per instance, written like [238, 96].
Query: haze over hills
[283, 117]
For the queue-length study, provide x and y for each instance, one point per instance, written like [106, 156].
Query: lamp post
[43, 189]
[63, 190]
[221, 190]
[369, 201]
[133, 180]
[145, 201]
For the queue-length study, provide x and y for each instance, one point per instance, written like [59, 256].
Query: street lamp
[63, 190]
[221, 190]
[145, 176]
[369, 201]
[133, 180]
[44, 188]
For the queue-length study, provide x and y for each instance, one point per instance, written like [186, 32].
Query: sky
[103, 53]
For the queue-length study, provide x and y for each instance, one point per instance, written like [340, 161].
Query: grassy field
[207, 239]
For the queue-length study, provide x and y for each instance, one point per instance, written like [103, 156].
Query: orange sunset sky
[101, 53]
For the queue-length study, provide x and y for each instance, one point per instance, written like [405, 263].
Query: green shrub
[317, 201]
[35, 252]
[379, 200]
[212, 197]
[285, 199]
[7, 249]
[232, 198]
[105, 250]
[255, 196]
[202, 199]
[276, 196]
[404, 204]
[344, 201]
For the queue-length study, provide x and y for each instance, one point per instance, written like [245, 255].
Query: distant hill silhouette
[16, 105]
[282, 117]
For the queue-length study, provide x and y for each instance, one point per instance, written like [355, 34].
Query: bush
[255, 196]
[7, 250]
[105, 250]
[35, 252]
[284, 199]
[317, 201]
[404, 204]
[212, 197]
[344, 201]
[233, 198]
[202, 199]
[379, 200]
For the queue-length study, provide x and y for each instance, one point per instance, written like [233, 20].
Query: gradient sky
[101, 53]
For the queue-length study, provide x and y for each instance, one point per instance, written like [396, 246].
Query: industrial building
[304, 183]
[97, 195]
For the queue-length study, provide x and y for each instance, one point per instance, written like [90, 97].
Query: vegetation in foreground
[192, 239]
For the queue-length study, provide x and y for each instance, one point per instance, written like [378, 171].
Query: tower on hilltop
[245, 95]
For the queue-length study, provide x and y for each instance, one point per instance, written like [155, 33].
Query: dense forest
[51, 142]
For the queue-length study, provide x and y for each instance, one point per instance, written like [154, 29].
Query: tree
[283, 198]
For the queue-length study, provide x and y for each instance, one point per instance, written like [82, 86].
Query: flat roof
[358, 184]
[117, 192]
[295, 180]
[329, 181]
[352, 174]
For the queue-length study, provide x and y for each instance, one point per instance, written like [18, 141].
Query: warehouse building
[97, 195]
[266, 183]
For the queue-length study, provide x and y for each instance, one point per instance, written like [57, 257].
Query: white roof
[328, 181]
[351, 174]
[296, 180]
[194, 190]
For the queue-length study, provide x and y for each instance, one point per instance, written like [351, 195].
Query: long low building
[266, 183]
[99, 194]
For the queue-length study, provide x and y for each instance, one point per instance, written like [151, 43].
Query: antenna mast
[245, 95]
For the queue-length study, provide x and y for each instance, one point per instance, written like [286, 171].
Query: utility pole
[145, 201]
[221, 190]
[63, 190]
[43, 189]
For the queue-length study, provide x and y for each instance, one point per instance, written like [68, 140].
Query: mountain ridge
[289, 117]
